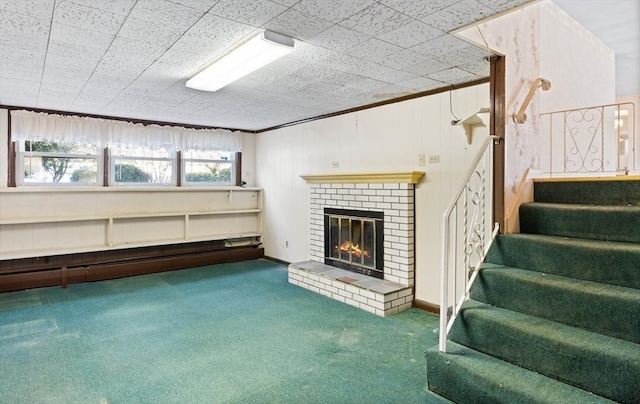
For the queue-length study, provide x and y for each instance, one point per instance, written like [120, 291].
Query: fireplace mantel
[408, 177]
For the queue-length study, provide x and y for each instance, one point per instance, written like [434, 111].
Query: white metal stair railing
[467, 234]
[599, 140]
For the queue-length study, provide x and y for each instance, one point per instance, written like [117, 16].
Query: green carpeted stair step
[464, 375]
[613, 191]
[607, 309]
[606, 366]
[608, 223]
[597, 261]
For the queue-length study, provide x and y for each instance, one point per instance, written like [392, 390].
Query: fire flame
[354, 249]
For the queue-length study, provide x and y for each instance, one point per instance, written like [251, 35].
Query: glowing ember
[354, 249]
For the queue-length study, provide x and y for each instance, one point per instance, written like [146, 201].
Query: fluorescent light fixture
[255, 53]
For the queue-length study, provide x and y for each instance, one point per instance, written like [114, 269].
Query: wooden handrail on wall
[520, 116]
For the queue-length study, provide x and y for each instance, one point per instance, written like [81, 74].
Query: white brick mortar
[394, 200]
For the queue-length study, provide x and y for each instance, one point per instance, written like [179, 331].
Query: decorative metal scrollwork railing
[593, 140]
[466, 236]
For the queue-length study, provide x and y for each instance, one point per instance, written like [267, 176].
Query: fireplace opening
[354, 240]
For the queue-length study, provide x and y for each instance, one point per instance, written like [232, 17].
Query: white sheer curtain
[27, 125]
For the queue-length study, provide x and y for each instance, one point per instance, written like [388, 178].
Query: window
[131, 164]
[56, 149]
[208, 167]
[45, 162]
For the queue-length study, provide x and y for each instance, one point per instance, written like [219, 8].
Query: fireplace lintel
[407, 177]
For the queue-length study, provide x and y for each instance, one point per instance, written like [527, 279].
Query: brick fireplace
[389, 196]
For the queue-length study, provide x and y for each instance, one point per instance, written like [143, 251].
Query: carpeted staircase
[554, 316]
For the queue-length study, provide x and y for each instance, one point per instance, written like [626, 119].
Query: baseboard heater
[27, 273]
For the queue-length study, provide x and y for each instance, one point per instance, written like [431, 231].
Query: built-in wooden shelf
[407, 177]
[29, 229]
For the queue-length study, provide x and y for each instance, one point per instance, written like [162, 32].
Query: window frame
[114, 158]
[233, 176]
[20, 164]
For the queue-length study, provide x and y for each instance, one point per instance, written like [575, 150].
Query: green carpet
[557, 304]
[230, 333]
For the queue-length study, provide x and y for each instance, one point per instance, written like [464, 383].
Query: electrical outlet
[335, 164]
[420, 159]
[434, 158]
[286, 244]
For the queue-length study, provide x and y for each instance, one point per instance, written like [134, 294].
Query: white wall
[382, 139]
[541, 40]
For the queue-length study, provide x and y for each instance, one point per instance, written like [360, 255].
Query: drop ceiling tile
[213, 34]
[417, 8]
[122, 7]
[313, 73]
[194, 104]
[9, 42]
[162, 35]
[382, 73]
[411, 34]
[165, 13]
[73, 59]
[480, 68]
[88, 18]
[421, 84]
[341, 78]
[348, 92]
[287, 3]
[68, 35]
[17, 74]
[297, 25]
[286, 84]
[138, 48]
[374, 50]
[276, 70]
[176, 94]
[440, 46]
[463, 56]
[65, 95]
[200, 5]
[376, 20]
[40, 9]
[427, 67]
[321, 87]
[128, 67]
[20, 93]
[458, 15]
[89, 103]
[338, 38]
[75, 54]
[367, 85]
[402, 59]
[502, 5]
[53, 101]
[64, 90]
[331, 10]
[308, 53]
[22, 60]
[252, 12]
[177, 69]
[452, 76]
[65, 75]
[341, 62]
[104, 86]
[22, 25]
